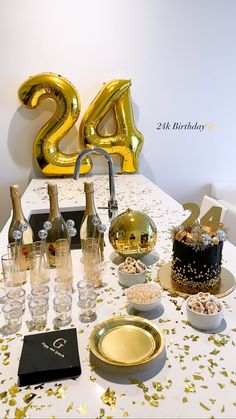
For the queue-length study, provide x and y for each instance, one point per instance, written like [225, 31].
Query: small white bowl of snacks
[131, 272]
[144, 297]
[204, 311]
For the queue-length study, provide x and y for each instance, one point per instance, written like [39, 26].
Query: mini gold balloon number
[211, 218]
[127, 141]
[48, 157]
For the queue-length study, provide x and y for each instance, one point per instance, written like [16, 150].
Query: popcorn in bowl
[204, 311]
[144, 297]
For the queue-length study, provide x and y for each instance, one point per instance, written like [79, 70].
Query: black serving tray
[36, 221]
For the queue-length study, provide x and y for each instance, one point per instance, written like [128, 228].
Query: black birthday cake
[197, 258]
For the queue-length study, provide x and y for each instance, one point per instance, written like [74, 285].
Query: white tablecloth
[198, 378]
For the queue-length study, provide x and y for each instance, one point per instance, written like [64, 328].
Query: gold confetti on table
[13, 390]
[109, 398]
[190, 388]
[69, 407]
[29, 397]
[82, 409]
[204, 406]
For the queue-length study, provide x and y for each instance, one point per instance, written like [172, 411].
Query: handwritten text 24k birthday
[179, 126]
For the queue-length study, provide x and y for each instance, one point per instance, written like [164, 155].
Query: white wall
[179, 54]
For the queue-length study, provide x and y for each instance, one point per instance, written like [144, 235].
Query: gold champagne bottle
[90, 221]
[18, 219]
[58, 229]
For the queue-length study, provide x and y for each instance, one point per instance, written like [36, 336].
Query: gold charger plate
[227, 283]
[126, 341]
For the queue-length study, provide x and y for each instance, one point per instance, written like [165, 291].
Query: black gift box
[48, 357]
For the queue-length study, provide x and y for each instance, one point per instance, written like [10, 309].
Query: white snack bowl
[127, 279]
[204, 321]
[144, 306]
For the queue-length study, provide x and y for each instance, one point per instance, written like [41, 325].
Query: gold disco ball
[133, 233]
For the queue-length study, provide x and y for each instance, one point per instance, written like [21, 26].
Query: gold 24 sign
[126, 142]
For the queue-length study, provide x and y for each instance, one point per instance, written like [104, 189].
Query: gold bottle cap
[52, 188]
[88, 187]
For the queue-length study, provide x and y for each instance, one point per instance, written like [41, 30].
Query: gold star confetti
[198, 377]
[204, 406]
[12, 402]
[92, 379]
[4, 348]
[13, 390]
[3, 395]
[6, 359]
[29, 397]
[157, 386]
[125, 414]
[109, 398]
[82, 409]
[70, 407]
[184, 400]
[139, 383]
[102, 413]
[190, 388]
[20, 413]
[153, 403]
[81, 331]
[219, 342]
[215, 352]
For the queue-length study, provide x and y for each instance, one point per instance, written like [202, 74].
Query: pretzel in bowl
[132, 266]
[204, 302]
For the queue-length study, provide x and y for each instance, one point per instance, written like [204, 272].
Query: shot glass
[40, 291]
[38, 307]
[13, 316]
[61, 288]
[87, 303]
[17, 294]
[62, 306]
[84, 286]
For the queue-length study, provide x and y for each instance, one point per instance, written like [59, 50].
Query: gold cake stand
[226, 286]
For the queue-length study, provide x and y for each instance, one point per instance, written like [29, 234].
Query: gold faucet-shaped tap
[112, 203]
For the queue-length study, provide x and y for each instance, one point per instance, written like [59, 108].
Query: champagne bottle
[59, 228]
[91, 220]
[18, 219]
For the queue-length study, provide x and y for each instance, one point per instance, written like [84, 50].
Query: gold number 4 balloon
[126, 142]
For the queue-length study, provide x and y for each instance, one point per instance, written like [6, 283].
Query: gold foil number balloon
[127, 141]
[133, 233]
[48, 157]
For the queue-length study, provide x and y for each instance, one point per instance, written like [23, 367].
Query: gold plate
[126, 341]
[227, 283]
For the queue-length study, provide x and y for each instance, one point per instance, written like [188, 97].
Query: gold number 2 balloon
[127, 140]
[49, 159]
